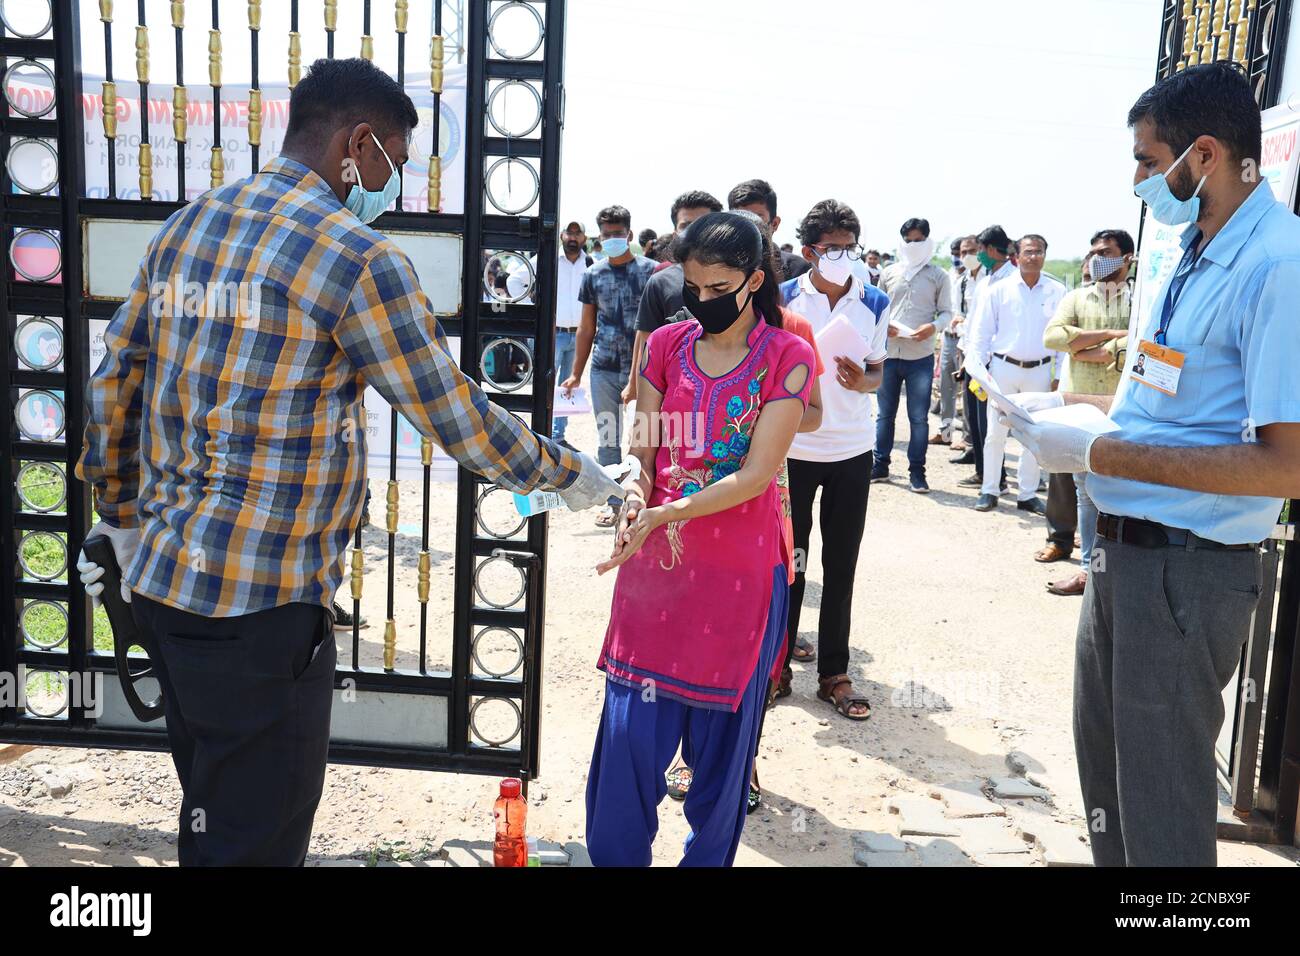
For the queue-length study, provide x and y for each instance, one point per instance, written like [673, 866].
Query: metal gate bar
[461, 688]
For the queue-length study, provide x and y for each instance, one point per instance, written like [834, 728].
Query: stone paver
[939, 851]
[990, 835]
[1062, 845]
[1015, 788]
[1003, 859]
[874, 842]
[959, 803]
[867, 858]
[921, 816]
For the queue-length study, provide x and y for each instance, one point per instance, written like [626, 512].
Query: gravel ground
[963, 654]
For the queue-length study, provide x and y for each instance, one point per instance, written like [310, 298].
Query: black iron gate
[446, 685]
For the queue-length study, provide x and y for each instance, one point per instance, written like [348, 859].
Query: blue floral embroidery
[724, 468]
[738, 446]
[690, 488]
[719, 449]
[754, 386]
[735, 405]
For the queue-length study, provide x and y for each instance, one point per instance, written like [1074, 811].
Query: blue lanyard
[1176, 286]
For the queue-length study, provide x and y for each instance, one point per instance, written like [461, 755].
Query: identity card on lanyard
[1157, 365]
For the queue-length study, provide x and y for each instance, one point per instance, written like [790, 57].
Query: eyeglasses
[834, 253]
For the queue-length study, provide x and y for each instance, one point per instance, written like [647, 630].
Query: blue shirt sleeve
[1269, 352]
[586, 291]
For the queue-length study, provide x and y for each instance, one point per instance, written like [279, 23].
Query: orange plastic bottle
[510, 848]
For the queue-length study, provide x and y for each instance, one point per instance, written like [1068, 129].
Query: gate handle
[99, 550]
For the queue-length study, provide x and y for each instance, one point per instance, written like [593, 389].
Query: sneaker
[880, 473]
[917, 483]
[343, 619]
[966, 458]
[986, 503]
[1032, 505]
[971, 481]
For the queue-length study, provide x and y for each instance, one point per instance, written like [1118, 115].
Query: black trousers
[247, 707]
[1062, 511]
[845, 486]
[977, 426]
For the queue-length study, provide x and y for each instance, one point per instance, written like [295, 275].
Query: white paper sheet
[841, 338]
[1088, 417]
[579, 403]
[903, 329]
[995, 394]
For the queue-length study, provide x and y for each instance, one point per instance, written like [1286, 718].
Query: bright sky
[960, 112]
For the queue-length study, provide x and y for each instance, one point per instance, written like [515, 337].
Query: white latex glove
[1057, 448]
[593, 487]
[125, 541]
[1037, 401]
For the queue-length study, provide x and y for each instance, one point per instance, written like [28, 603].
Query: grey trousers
[1160, 635]
[947, 387]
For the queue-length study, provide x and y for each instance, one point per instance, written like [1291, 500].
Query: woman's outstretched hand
[635, 522]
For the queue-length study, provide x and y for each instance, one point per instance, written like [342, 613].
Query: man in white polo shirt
[837, 458]
[573, 262]
[1007, 339]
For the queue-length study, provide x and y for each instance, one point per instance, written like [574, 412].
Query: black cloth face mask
[719, 313]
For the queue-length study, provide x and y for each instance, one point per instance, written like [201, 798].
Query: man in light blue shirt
[1208, 449]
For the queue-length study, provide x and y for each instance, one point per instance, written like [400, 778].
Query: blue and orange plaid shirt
[226, 420]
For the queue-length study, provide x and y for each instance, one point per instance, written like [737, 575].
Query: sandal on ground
[607, 518]
[803, 652]
[679, 781]
[826, 687]
[755, 799]
[783, 685]
[1052, 552]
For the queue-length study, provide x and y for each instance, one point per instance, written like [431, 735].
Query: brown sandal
[1051, 552]
[826, 691]
[782, 687]
[803, 652]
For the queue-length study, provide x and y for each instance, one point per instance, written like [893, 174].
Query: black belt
[1149, 534]
[1010, 361]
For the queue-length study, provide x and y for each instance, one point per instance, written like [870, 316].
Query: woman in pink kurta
[698, 613]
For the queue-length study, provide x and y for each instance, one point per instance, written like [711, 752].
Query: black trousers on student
[247, 707]
[845, 486]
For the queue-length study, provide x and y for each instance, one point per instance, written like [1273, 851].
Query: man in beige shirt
[1091, 324]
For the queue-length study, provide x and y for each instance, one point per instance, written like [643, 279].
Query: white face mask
[835, 271]
[916, 254]
[970, 261]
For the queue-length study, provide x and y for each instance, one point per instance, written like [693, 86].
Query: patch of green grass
[45, 552]
[399, 851]
[43, 486]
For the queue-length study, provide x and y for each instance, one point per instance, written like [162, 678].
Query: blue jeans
[565, 345]
[1087, 520]
[607, 403]
[916, 375]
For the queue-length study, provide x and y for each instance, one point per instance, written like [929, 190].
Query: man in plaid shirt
[225, 445]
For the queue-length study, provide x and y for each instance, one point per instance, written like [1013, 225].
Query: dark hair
[614, 216]
[996, 237]
[1122, 239]
[922, 224]
[752, 192]
[1213, 99]
[342, 93]
[664, 246]
[1033, 237]
[872, 252]
[695, 199]
[734, 240]
[646, 235]
[829, 215]
[954, 247]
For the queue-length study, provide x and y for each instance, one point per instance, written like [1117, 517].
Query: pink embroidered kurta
[690, 608]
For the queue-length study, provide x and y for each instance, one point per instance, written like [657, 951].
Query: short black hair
[1121, 238]
[614, 216]
[646, 235]
[694, 199]
[996, 237]
[1033, 237]
[1213, 99]
[954, 247]
[922, 224]
[752, 192]
[342, 93]
[829, 215]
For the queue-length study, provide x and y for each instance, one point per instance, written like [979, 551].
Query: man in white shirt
[837, 458]
[1007, 339]
[573, 262]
